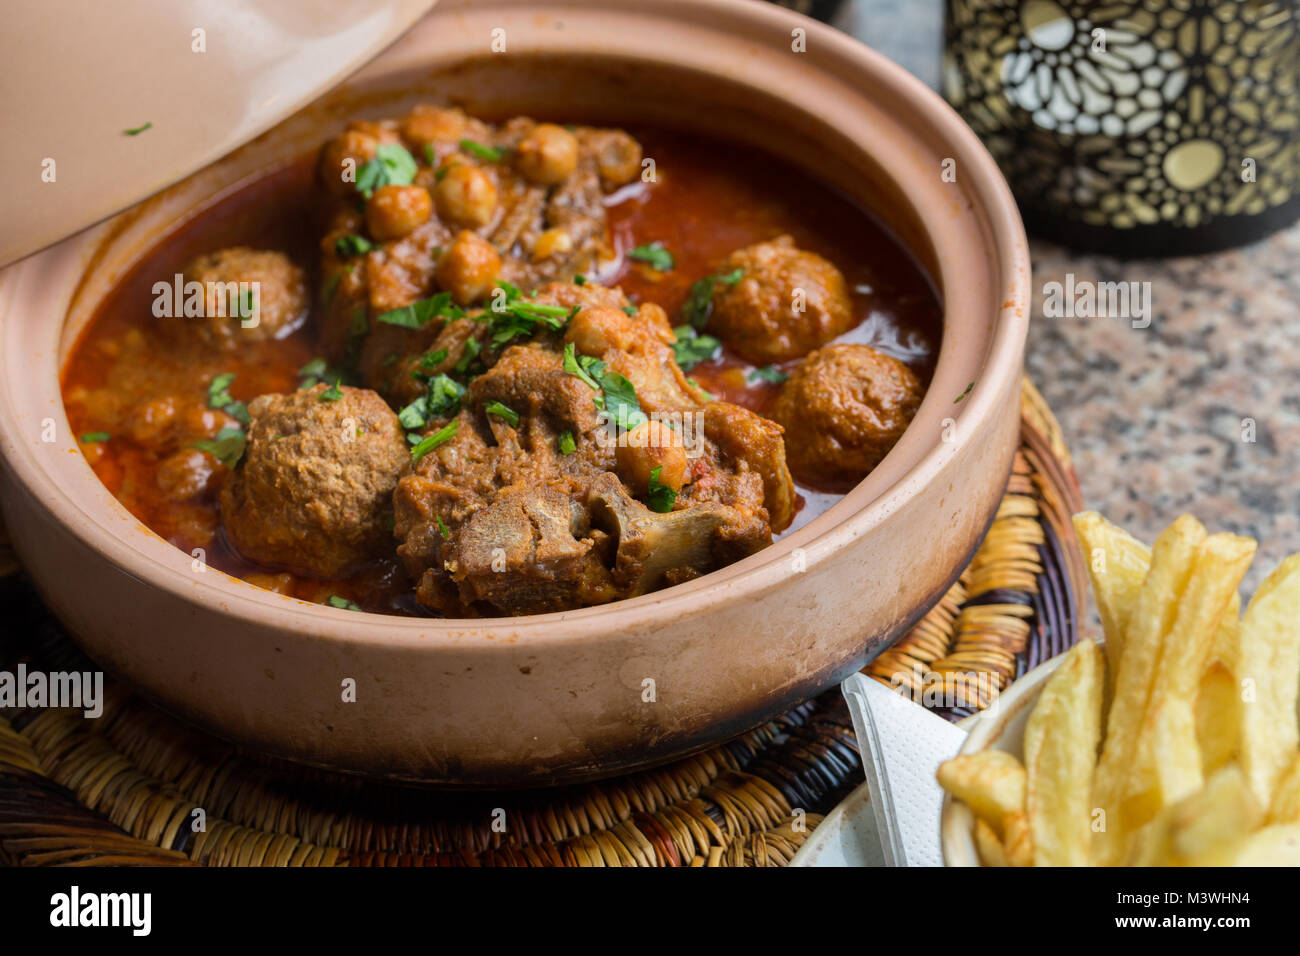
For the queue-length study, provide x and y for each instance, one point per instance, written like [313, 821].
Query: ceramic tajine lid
[107, 103]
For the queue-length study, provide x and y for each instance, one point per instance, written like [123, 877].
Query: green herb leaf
[444, 396]
[429, 442]
[489, 154]
[392, 166]
[699, 301]
[139, 129]
[341, 602]
[507, 415]
[442, 527]
[227, 447]
[219, 390]
[692, 347]
[431, 360]
[659, 496]
[331, 394]
[654, 255]
[584, 366]
[767, 373]
[467, 357]
[963, 394]
[709, 396]
[566, 443]
[418, 314]
[629, 310]
[92, 438]
[352, 245]
[315, 368]
[239, 412]
[579, 280]
[430, 156]
[621, 402]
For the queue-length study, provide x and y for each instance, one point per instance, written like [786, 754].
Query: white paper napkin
[902, 745]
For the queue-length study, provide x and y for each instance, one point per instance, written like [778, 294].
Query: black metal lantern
[1136, 127]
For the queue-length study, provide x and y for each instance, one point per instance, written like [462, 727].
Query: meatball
[787, 302]
[843, 408]
[313, 493]
[249, 295]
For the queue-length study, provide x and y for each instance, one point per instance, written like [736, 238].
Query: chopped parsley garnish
[431, 360]
[707, 394]
[489, 154]
[699, 301]
[139, 129]
[659, 496]
[467, 357]
[342, 603]
[440, 400]
[227, 447]
[219, 397]
[654, 255]
[392, 166]
[219, 390]
[442, 527]
[315, 372]
[429, 442]
[963, 394]
[352, 245]
[692, 347]
[92, 438]
[331, 394]
[512, 316]
[417, 314]
[629, 310]
[583, 366]
[620, 401]
[430, 156]
[566, 443]
[579, 280]
[767, 373]
[506, 414]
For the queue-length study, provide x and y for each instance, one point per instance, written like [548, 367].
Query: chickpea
[649, 446]
[468, 268]
[466, 195]
[553, 242]
[597, 329]
[397, 211]
[618, 158]
[186, 474]
[153, 423]
[433, 124]
[548, 155]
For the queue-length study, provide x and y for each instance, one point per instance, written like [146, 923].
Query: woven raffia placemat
[124, 789]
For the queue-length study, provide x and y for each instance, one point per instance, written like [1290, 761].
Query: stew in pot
[460, 368]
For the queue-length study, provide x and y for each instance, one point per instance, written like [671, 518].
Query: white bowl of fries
[1174, 743]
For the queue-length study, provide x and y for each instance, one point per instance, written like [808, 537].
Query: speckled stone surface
[1154, 416]
[1158, 419]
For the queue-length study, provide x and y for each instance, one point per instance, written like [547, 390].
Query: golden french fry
[991, 783]
[1018, 840]
[1270, 668]
[1117, 566]
[1151, 618]
[1276, 845]
[1285, 807]
[1060, 747]
[1167, 767]
[1216, 816]
[989, 846]
[1218, 707]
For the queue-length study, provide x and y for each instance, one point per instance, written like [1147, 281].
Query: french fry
[1270, 659]
[1203, 823]
[1218, 700]
[1019, 840]
[991, 783]
[989, 846]
[1167, 767]
[1276, 845]
[1152, 617]
[1060, 747]
[1285, 807]
[1117, 565]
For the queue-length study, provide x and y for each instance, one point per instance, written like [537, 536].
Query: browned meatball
[313, 493]
[787, 303]
[843, 408]
[249, 295]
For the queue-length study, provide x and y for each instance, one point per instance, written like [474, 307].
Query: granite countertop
[1154, 416]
